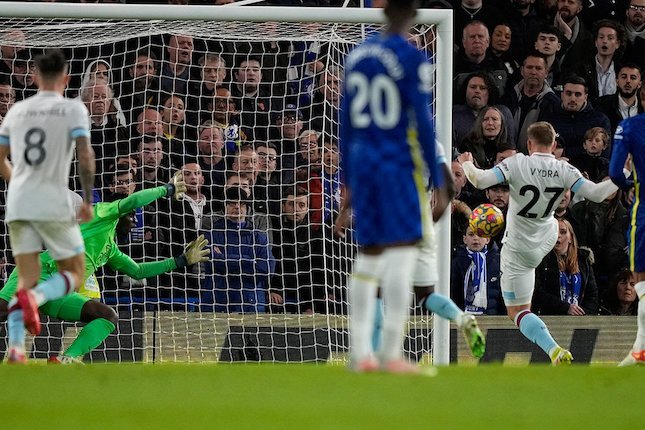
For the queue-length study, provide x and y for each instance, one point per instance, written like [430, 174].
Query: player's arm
[620, 152]
[86, 167]
[444, 195]
[195, 252]
[481, 179]
[175, 188]
[5, 165]
[592, 191]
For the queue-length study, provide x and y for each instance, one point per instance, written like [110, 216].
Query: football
[486, 220]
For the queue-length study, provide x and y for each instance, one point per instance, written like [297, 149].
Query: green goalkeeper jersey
[101, 249]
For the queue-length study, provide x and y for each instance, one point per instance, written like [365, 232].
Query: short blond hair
[541, 133]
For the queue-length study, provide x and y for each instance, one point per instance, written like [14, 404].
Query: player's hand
[343, 221]
[196, 251]
[465, 156]
[85, 212]
[440, 202]
[575, 310]
[177, 181]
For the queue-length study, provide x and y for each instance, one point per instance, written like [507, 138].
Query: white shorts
[61, 238]
[426, 269]
[517, 270]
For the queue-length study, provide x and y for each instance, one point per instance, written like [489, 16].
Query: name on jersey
[385, 56]
[55, 111]
[544, 173]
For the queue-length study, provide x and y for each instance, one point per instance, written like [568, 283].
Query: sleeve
[483, 179]
[124, 206]
[440, 153]
[124, 264]
[620, 150]
[592, 191]
[79, 121]
[419, 92]
[5, 130]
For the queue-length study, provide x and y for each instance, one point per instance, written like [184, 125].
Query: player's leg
[396, 282]
[362, 288]
[637, 354]
[101, 321]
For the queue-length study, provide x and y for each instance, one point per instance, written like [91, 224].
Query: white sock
[396, 286]
[363, 284]
[639, 344]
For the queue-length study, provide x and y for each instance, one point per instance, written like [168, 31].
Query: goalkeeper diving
[101, 249]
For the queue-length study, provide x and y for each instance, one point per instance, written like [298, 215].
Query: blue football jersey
[387, 138]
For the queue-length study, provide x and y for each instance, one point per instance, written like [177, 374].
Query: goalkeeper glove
[195, 252]
[176, 187]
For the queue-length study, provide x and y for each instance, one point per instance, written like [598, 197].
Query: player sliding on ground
[101, 249]
[629, 139]
[537, 183]
[41, 133]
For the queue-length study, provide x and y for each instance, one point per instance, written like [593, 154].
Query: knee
[95, 310]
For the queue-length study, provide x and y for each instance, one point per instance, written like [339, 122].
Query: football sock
[362, 303]
[59, 285]
[378, 325]
[15, 326]
[444, 307]
[396, 290]
[90, 337]
[535, 330]
[639, 345]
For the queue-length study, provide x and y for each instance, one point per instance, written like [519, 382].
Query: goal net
[243, 101]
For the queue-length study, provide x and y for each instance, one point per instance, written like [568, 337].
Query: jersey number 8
[382, 97]
[35, 152]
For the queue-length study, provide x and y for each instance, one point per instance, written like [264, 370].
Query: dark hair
[294, 190]
[236, 194]
[266, 145]
[575, 80]
[536, 54]
[630, 66]
[246, 58]
[610, 303]
[493, 91]
[52, 63]
[550, 29]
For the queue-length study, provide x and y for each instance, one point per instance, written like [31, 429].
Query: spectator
[211, 157]
[288, 126]
[7, 98]
[468, 11]
[530, 98]
[635, 20]
[22, 76]
[154, 170]
[498, 195]
[600, 71]
[475, 56]
[237, 278]
[299, 254]
[592, 164]
[564, 281]
[323, 116]
[563, 211]
[602, 227]
[99, 72]
[212, 71]
[245, 163]
[487, 136]
[266, 192]
[179, 136]
[227, 117]
[524, 21]
[142, 88]
[577, 39]
[549, 43]
[176, 70]
[478, 91]
[9, 52]
[574, 116]
[149, 124]
[475, 276]
[500, 47]
[625, 102]
[620, 298]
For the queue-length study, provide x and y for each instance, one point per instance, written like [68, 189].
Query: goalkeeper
[101, 249]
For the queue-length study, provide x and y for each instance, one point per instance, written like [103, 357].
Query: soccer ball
[486, 220]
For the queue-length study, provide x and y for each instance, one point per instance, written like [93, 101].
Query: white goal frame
[441, 18]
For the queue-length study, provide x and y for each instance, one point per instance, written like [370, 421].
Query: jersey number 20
[382, 97]
[34, 151]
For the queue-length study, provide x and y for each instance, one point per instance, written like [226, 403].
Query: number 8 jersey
[386, 134]
[41, 131]
[537, 185]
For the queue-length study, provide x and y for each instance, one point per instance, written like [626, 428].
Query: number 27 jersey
[41, 131]
[537, 184]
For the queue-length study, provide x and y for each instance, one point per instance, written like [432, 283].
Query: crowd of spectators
[253, 127]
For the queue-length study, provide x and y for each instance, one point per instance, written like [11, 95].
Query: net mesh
[190, 95]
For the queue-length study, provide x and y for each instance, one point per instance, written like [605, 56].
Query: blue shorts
[636, 238]
[389, 204]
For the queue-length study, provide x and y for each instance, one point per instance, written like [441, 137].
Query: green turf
[319, 397]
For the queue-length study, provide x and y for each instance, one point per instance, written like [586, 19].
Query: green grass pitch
[249, 396]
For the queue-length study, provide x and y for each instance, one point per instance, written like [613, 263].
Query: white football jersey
[41, 131]
[537, 185]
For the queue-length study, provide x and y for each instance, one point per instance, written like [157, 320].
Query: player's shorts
[62, 238]
[426, 271]
[636, 233]
[387, 206]
[517, 270]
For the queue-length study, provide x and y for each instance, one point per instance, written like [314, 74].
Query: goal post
[114, 33]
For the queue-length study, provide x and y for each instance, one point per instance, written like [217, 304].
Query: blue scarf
[475, 287]
[570, 287]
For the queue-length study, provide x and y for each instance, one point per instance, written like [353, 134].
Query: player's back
[631, 133]
[380, 75]
[537, 185]
[41, 131]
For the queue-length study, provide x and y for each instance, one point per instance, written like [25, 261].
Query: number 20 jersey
[537, 185]
[386, 134]
[41, 131]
